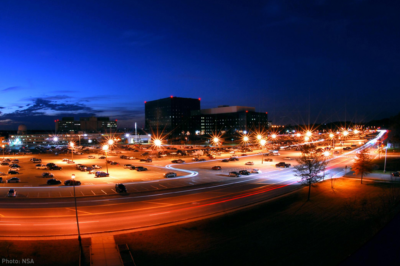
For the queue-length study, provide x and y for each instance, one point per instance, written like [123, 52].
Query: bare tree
[311, 167]
[363, 164]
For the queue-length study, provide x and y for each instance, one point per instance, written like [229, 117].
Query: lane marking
[66, 223]
[10, 224]
[103, 192]
[93, 192]
[158, 213]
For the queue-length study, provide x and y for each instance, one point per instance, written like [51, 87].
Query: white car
[15, 161]
[41, 167]
[12, 193]
[91, 157]
[170, 174]
[255, 171]
[14, 169]
[95, 166]
[288, 158]
[65, 160]
[249, 163]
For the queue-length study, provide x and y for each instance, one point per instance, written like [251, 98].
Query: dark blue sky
[332, 59]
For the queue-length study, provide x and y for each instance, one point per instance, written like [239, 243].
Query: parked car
[255, 171]
[120, 188]
[114, 163]
[141, 168]
[41, 167]
[249, 163]
[268, 160]
[101, 174]
[11, 172]
[148, 160]
[55, 167]
[95, 166]
[102, 157]
[12, 193]
[15, 161]
[282, 165]
[178, 161]
[288, 158]
[127, 166]
[13, 180]
[4, 163]
[72, 182]
[234, 174]
[202, 160]
[225, 160]
[216, 168]
[233, 159]
[170, 174]
[14, 169]
[53, 181]
[244, 172]
[91, 157]
[47, 174]
[396, 174]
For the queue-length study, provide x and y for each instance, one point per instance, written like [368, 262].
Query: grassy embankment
[340, 218]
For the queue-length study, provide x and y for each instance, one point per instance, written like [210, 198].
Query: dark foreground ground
[338, 222]
[340, 218]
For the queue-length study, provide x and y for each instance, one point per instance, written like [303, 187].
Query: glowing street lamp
[298, 135]
[308, 134]
[55, 139]
[327, 154]
[105, 148]
[356, 131]
[216, 140]
[157, 142]
[72, 151]
[110, 142]
[306, 138]
[259, 137]
[273, 136]
[345, 133]
[262, 142]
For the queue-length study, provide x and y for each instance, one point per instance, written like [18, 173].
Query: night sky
[297, 60]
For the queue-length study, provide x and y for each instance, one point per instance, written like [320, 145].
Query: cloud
[1, 107]
[12, 89]
[64, 91]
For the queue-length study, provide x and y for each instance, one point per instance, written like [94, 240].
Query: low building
[229, 119]
[85, 124]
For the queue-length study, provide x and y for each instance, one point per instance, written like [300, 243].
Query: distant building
[85, 124]
[21, 130]
[229, 119]
[172, 114]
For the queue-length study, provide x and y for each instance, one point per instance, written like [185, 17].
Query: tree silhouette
[311, 167]
[363, 164]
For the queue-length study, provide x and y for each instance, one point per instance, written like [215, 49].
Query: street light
[77, 220]
[331, 135]
[245, 139]
[216, 140]
[306, 138]
[55, 139]
[110, 142]
[105, 148]
[259, 137]
[72, 151]
[308, 134]
[262, 142]
[157, 142]
[3, 150]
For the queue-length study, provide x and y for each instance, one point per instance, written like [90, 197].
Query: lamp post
[3, 150]
[245, 139]
[72, 151]
[384, 168]
[262, 142]
[216, 140]
[331, 136]
[77, 219]
[105, 148]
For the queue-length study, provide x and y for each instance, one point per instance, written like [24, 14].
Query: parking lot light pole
[262, 142]
[105, 148]
[72, 151]
[77, 220]
[3, 150]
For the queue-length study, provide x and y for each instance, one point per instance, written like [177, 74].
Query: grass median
[341, 216]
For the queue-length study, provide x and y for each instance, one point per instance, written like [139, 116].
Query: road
[38, 217]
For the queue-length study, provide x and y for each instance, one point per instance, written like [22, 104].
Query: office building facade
[172, 114]
[229, 119]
